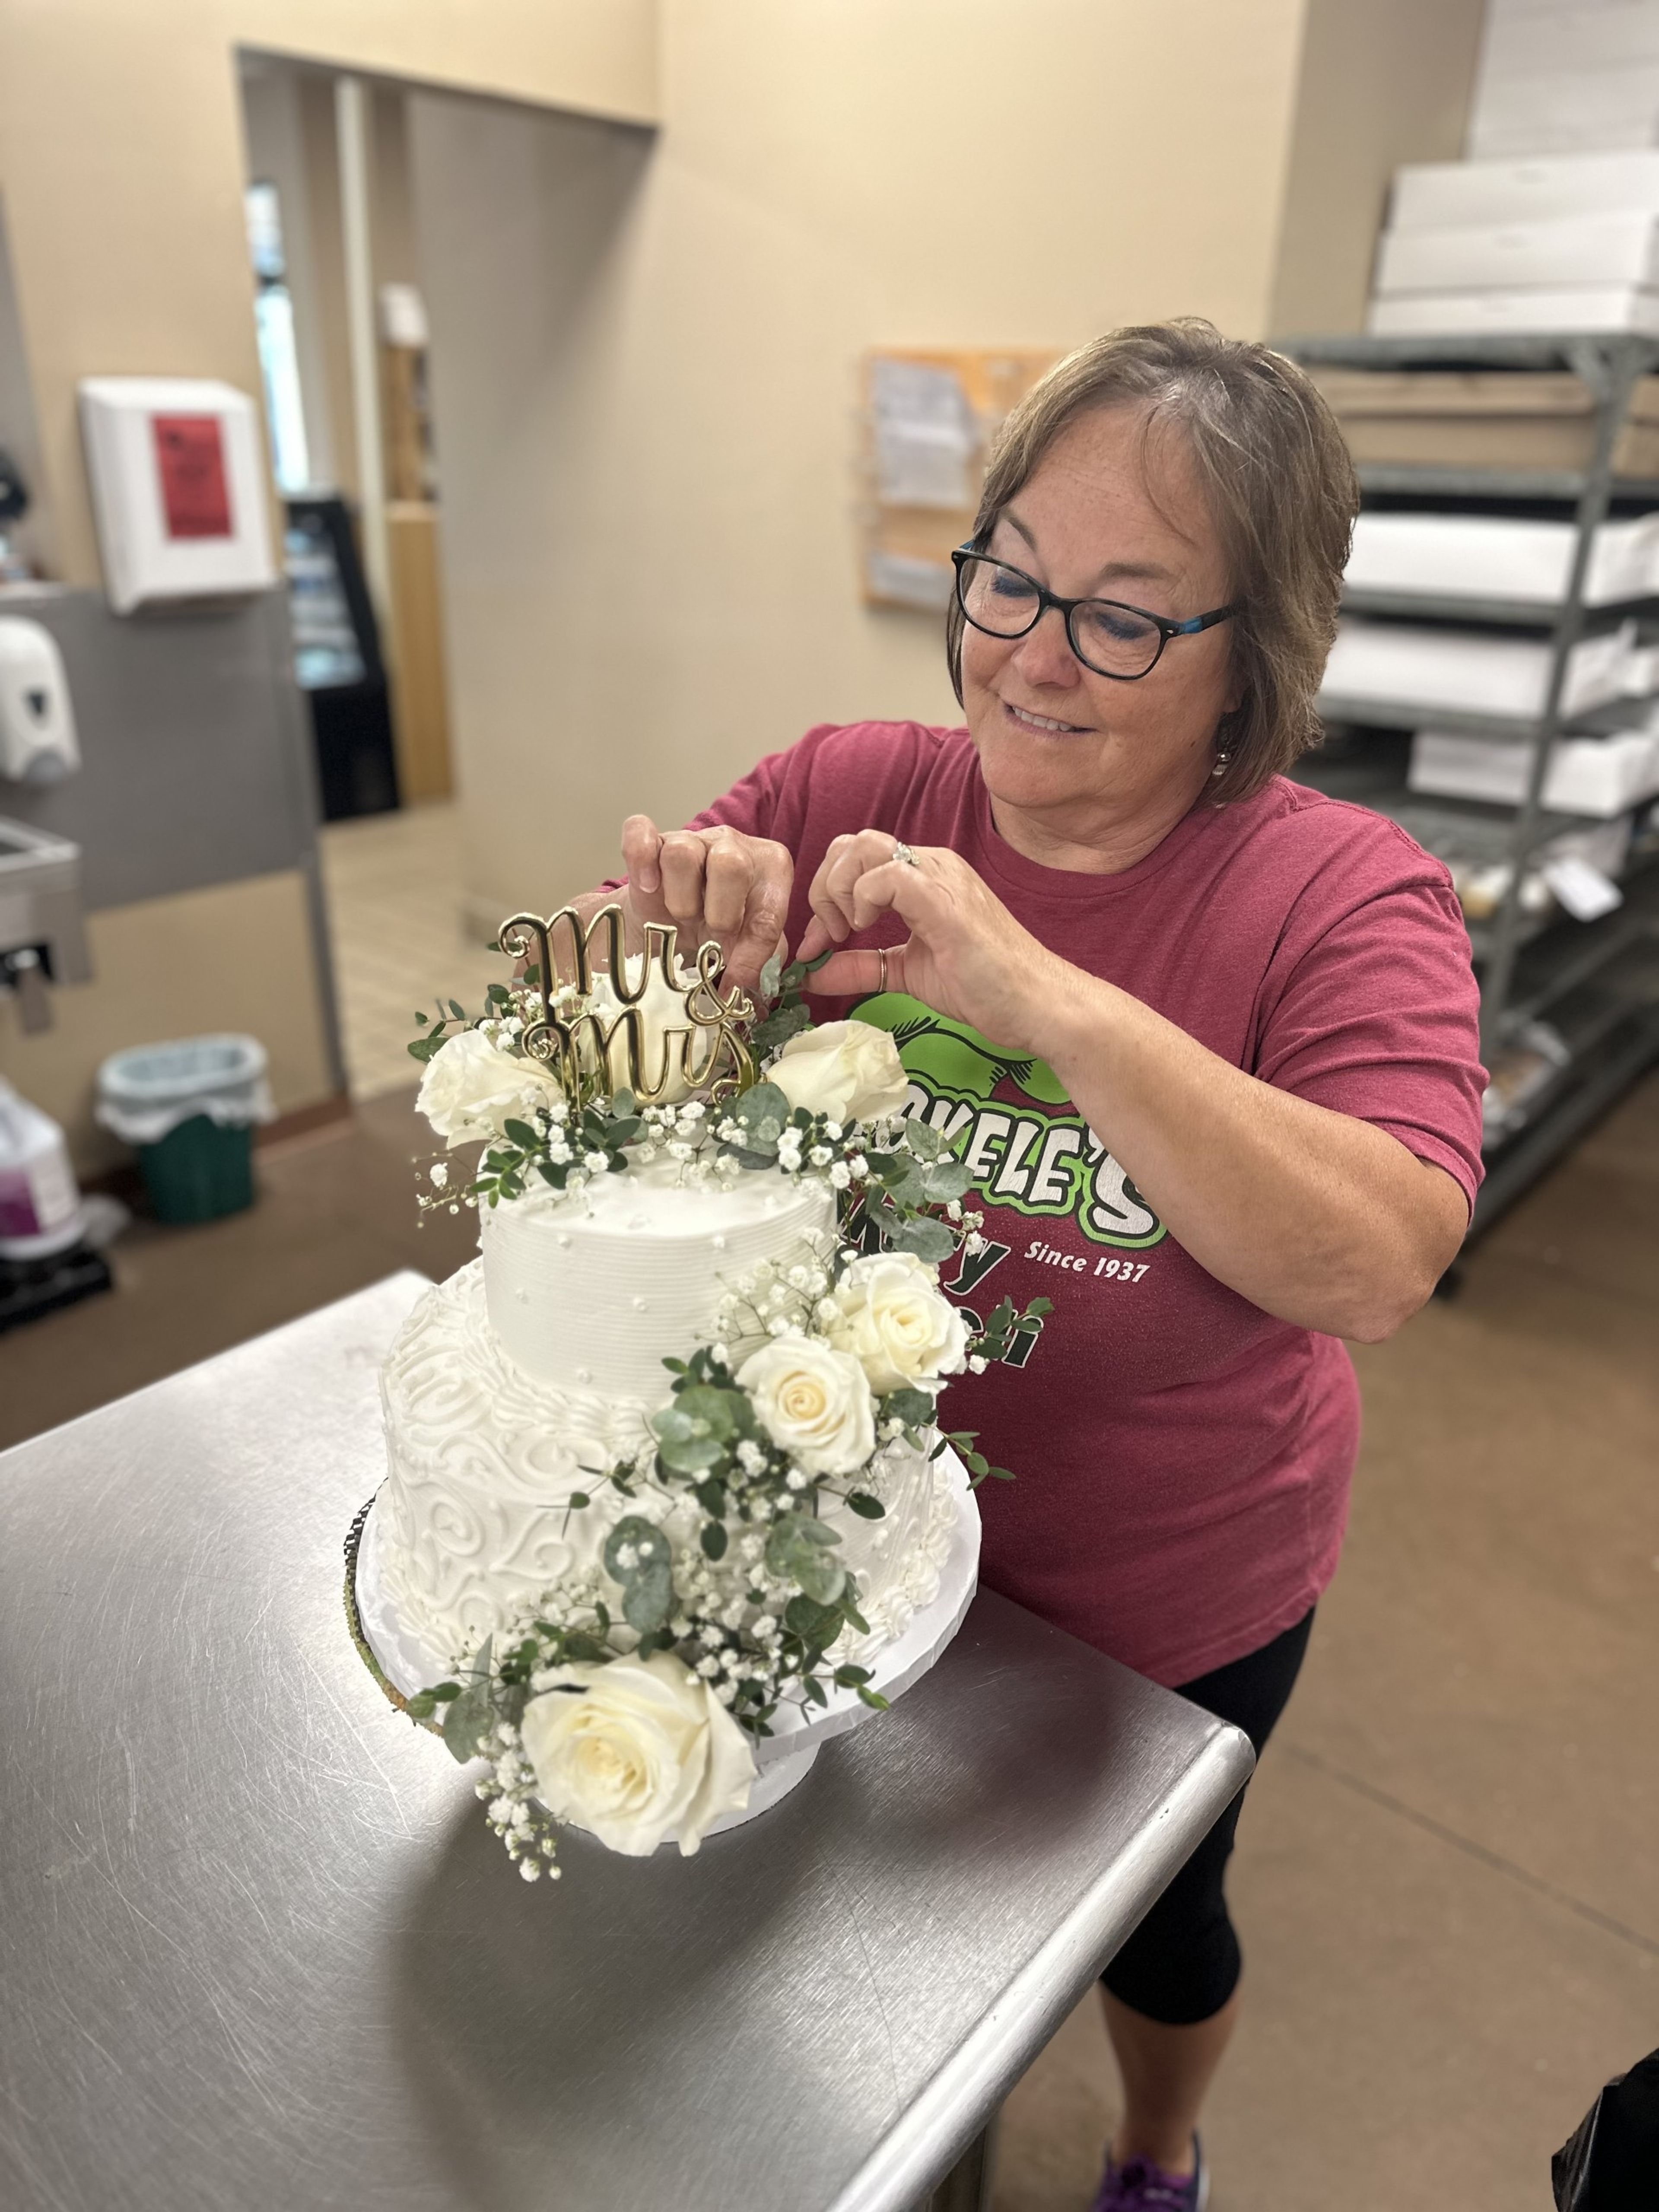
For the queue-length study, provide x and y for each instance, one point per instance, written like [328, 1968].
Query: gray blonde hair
[1280, 488]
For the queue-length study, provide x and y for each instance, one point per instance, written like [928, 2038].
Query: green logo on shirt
[1027, 1153]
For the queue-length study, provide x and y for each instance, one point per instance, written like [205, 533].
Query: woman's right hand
[711, 882]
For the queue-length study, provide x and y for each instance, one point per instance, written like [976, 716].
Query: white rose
[850, 1071]
[813, 1402]
[636, 1748]
[891, 1316]
[471, 1088]
[661, 1010]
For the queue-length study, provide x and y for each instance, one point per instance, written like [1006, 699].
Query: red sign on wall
[189, 457]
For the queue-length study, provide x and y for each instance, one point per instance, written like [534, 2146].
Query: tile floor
[401, 939]
[1447, 1880]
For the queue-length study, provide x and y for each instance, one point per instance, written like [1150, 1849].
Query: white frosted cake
[527, 1376]
[668, 1498]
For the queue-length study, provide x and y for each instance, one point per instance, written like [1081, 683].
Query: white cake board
[799, 1731]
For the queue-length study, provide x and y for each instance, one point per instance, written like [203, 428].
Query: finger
[761, 930]
[832, 915]
[852, 974]
[814, 938]
[682, 862]
[642, 842]
[729, 872]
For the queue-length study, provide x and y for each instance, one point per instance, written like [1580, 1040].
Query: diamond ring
[902, 852]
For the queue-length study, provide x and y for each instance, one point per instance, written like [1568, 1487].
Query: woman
[1207, 1039]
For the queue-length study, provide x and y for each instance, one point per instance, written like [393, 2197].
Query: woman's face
[1055, 740]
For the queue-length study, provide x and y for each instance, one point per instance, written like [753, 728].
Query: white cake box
[1501, 557]
[1573, 250]
[1600, 776]
[1514, 313]
[1534, 41]
[1415, 667]
[1459, 194]
[1565, 109]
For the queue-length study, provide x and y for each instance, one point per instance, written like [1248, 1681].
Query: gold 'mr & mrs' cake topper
[577, 1043]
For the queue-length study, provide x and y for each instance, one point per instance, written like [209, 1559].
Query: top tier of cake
[593, 1291]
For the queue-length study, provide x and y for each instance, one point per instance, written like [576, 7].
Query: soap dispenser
[37, 744]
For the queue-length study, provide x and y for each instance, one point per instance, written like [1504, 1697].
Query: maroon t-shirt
[1183, 1458]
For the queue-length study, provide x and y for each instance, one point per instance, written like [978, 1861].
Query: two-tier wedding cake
[666, 1490]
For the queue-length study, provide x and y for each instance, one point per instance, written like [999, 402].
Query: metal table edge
[960, 2099]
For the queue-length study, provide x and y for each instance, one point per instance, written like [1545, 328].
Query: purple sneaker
[1140, 2186]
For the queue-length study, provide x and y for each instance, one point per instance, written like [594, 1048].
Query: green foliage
[867, 1508]
[790, 1014]
[640, 1557]
[467, 1720]
[797, 1550]
[978, 1467]
[928, 1239]
[698, 1427]
[914, 1408]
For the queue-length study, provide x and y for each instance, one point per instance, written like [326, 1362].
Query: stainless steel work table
[261, 1952]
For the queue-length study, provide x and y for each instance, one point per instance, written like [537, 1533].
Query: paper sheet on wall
[910, 582]
[926, 437]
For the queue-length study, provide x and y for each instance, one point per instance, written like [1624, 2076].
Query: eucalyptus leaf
[521, 1135]
[944, 1179]
[762, 1113]
[779, 1025]
[467, 1722]
[646, 1574]
[922, 1139]
[797, 1550]
[695, 1429]
[928, 1240]
[713, 1539]
[647, 1600]
[914, 1408]
[771, 976]
[867, 1508]
[817, 1626]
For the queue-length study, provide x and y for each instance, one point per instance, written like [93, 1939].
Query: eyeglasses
[1113, 640]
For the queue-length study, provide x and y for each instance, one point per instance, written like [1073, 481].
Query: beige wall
[237, 956]
[1382, 81]
[121, 167]
[645, 361]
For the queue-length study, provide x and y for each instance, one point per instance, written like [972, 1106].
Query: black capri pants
[1182, 1962]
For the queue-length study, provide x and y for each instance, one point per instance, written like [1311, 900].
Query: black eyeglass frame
[1166, 630]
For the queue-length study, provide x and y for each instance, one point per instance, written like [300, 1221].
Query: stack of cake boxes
[1565, 77]
[1552, 224]
[1553, 242]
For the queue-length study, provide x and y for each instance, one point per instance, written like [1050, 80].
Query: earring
[1221, 761]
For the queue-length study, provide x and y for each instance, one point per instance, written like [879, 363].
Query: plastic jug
[39, 1198]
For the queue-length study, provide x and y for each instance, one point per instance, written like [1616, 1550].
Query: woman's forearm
[1316, 1218]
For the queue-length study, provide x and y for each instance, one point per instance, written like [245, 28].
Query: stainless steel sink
[40, 903]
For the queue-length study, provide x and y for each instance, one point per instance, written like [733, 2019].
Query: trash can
[190, 1109]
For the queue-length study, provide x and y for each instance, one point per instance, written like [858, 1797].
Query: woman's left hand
[966, 957]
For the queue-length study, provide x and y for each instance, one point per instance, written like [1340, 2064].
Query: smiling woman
[1212, 1034]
